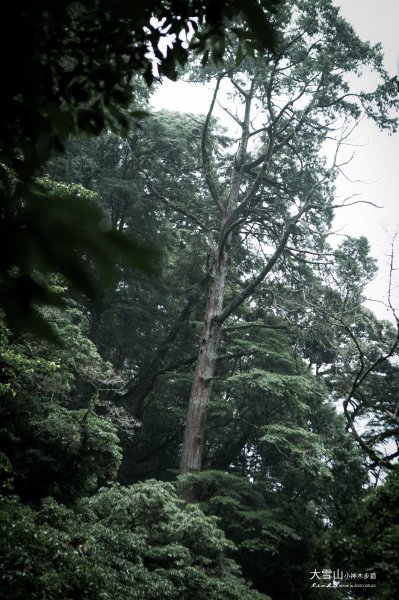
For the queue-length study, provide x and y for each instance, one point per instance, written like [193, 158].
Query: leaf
[259, 22]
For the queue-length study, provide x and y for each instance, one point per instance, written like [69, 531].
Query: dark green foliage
[56, 228]
[72, 67]
[135, 542]
[290, 473]
[280, 535]
[54, 440]
[375, 546]
[139, 542]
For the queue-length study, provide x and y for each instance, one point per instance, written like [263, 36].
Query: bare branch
[239, 88]
[250, 288]
[204, 150]
[228, 112]
[345, 204]
[254, 326]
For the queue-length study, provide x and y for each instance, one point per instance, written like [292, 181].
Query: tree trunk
[205, 369]
[193, 442]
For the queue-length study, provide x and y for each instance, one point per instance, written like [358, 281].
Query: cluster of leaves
[52, 436]
[378, 522]
[371, 544]
[134, 542]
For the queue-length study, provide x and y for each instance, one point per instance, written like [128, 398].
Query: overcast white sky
[376, 161]
[375, 168]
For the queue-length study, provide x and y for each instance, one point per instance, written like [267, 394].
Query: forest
[196, 401]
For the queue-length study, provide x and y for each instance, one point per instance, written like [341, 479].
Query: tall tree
[277, 187]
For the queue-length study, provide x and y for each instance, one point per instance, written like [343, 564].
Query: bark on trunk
[193, 442]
